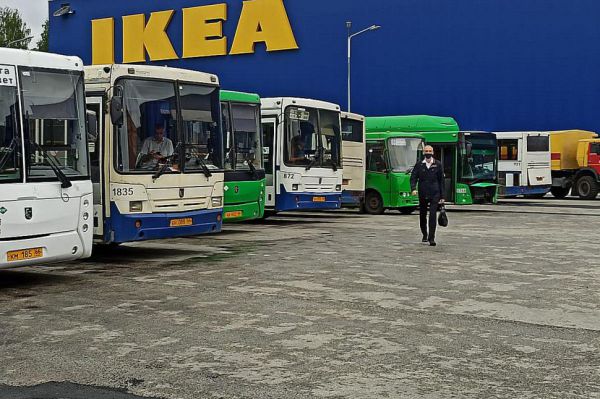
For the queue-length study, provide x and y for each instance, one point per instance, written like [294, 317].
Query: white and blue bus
[302, 153]
[524, 164]
[45, 188]
[157, 166]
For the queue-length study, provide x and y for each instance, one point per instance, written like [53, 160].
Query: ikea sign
[261, 21]
[493, 65]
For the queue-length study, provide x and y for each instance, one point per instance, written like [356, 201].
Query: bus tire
[407, 210]
[374, 203]
[587, 187]
[560, 192]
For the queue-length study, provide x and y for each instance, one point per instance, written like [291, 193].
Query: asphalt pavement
[320, 305]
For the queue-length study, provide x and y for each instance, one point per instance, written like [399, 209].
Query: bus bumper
[154, 226]
[60, 247]
[352, 198]
[524, 190]
[304, 201]
[242, 212]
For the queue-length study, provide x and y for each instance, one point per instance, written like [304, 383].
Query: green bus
[470, 159]
[391, 156]
[244, 170]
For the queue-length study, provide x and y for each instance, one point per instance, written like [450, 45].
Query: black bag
[443, 218]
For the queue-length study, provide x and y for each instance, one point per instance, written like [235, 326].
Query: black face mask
[428, 156]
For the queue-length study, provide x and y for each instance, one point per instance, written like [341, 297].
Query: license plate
[319, 199]
[23, 254]
[233, 214]
[181, 222]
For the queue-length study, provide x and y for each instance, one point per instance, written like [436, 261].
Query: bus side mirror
[92, 125]
[116, 110]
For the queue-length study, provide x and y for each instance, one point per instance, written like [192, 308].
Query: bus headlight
[338, 187]
[86, 216]
[135, 206]
[217, 202]
[86, 202]
[295, 187]
[85, 228]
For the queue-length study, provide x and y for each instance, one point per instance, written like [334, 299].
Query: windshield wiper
[251, 167]
[315, 159]
[202, 164]
[6, 156]
[163, 169]
[64, 180]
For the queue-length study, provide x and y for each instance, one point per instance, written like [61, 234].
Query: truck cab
[575, 164]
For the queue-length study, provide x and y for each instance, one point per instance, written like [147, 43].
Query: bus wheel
[373, 203]
[407, 210]
[560, 192]
[587, 188]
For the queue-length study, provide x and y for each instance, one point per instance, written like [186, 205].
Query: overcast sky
[34, 12]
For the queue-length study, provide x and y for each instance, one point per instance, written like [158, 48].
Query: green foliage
[14, 32]
[42, 44]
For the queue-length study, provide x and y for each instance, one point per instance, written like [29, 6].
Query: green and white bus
[244, 170]
[470, 159]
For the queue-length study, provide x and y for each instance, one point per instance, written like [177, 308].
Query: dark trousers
[431, 205]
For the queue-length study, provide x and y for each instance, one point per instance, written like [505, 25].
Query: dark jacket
[430, 181]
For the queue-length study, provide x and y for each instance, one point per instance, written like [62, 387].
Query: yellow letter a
[151, 37]
[263, 21]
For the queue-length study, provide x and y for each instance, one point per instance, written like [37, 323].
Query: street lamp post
[18, 41]
[350, 36]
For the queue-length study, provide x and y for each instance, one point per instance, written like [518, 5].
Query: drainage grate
[65, 390]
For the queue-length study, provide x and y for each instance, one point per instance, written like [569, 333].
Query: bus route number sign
[299, 114]
[8, 77]
[398, 142]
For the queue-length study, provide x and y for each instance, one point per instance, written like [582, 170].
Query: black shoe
[432, 243]
[425, 239]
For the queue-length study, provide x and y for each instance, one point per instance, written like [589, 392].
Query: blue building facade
[493, 65]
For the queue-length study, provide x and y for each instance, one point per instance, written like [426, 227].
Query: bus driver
[156, 148]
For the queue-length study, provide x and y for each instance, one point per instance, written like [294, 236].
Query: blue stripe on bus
[157, 225]
[302, 201]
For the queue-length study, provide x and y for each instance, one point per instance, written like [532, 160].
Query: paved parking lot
[326, 305]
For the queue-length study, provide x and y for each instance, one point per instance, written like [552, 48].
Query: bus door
[377, 169]
[269, 129]
[96, 148]
[446, 154]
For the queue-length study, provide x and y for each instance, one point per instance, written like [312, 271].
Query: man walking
[429, 175]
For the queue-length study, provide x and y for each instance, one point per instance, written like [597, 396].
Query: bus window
[352, 130]
[149, 131]
[509, 150]
[376, 157]
[268, 130]
[538, 143]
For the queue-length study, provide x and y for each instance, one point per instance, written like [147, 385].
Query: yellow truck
[575, 163]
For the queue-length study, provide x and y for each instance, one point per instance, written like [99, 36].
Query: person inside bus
[428, 175]
[297, 154]
[156, 148]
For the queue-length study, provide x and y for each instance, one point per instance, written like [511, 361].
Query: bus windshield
[312, 137]
[479, 157]
[243, 147]
[150, 136]
[10, 139]
[404, 153]
[54, 115]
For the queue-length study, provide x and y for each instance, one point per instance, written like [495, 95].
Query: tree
[13, 30]
[42, 44]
